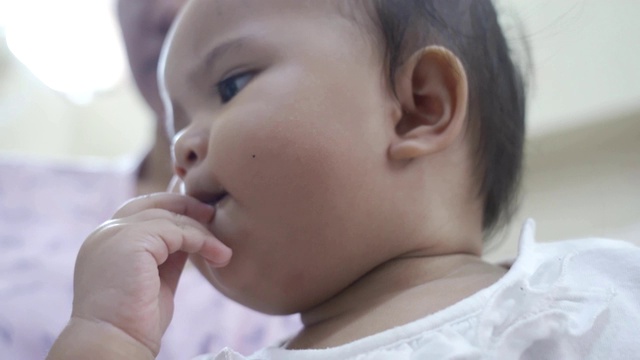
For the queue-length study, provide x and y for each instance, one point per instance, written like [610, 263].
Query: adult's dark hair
[470, 29]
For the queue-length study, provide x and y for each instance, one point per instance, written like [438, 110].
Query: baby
[344, 160]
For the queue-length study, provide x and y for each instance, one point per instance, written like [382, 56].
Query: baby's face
[282, 105]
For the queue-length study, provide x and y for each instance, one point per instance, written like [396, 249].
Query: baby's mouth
[212, 199]
[218, 198]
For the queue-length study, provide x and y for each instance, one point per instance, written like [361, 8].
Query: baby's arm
[126, 275]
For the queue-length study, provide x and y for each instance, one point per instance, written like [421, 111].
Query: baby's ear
[432, 90]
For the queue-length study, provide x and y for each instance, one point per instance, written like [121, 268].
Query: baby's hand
[128, 269]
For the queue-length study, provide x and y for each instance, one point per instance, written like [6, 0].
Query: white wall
[579, 183]
[582, 166]
[585, 60]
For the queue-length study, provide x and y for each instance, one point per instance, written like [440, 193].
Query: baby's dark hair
[470, 29]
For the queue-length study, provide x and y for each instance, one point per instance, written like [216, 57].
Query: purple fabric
[46, 211]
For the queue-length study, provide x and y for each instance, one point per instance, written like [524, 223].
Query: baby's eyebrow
[218, 51]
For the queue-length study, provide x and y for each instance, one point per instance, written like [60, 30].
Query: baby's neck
[396, 293]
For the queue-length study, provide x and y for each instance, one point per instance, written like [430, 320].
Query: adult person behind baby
[145, 24]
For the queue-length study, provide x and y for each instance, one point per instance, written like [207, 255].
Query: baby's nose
[189, 150]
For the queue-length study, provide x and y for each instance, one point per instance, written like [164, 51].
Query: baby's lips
[209, 199]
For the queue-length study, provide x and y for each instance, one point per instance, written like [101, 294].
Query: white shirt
[577, 299]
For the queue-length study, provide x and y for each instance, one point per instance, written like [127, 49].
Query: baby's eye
[231, 86]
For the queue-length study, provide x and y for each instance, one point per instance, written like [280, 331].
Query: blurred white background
[65, 93]
[582, 165]
[66, 97]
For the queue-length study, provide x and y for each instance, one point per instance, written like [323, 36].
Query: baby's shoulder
[579, 293]
[579, 257]
[610, 266]
[589, 260]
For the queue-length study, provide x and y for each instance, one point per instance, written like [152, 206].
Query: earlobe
[432, 89]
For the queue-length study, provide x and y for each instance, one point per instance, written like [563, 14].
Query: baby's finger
[184, 234]
[182, 221]
[175, 203]
[162, 233]
[153, 214]
[171, 270]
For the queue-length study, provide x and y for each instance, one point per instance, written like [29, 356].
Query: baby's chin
[251, 291]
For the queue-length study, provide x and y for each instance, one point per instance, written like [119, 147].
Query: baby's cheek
[267, 151]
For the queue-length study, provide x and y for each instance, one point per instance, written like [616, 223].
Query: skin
[144, 25]
[349, 205]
